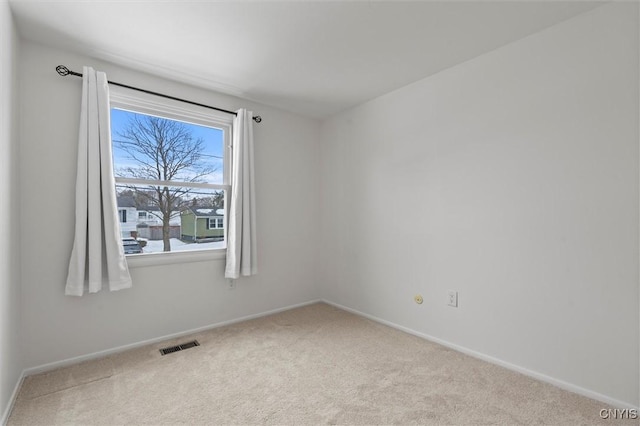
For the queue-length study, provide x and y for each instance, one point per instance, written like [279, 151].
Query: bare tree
[215, 201]
[163, 150]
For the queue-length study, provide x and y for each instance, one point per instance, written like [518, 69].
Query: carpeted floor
[312, 365]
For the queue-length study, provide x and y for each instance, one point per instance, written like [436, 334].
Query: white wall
[513, 179]
[10, 353]
[169, 298]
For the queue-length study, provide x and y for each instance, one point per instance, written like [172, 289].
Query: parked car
[131, 246]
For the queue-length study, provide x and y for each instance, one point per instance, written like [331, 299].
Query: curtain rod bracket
[64, 71]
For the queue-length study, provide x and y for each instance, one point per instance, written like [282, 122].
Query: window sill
[155, 259]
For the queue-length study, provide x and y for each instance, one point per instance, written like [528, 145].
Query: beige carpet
[312, 365]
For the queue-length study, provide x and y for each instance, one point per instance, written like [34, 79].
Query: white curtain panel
[242, 256]
[97, 257]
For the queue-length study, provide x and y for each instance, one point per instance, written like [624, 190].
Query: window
[170, 159]
[215, 223]
[123, 215]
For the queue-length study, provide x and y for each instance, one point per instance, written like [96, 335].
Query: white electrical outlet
[453, 298]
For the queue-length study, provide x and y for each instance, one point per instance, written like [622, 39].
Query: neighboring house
[202, 224]
[145, 221]
[127, 215]
[151, 216]
[150, 223]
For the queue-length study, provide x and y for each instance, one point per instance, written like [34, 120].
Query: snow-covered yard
[156, 246]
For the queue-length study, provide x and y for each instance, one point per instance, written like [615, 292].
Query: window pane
[175, 218]
[156, 148]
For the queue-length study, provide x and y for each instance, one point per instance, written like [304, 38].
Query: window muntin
[161, 198]
[215, 223]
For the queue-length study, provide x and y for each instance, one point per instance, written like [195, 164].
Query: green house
[202, 224]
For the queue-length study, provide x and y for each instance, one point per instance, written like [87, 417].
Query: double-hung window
[171, 161]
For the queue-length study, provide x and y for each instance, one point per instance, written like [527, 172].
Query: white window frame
[129, 100]
[216, 221]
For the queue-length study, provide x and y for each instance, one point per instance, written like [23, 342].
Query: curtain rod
[64, 71]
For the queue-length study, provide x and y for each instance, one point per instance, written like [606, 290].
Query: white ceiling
[313, 58]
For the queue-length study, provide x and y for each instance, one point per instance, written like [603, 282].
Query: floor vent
[177, 348]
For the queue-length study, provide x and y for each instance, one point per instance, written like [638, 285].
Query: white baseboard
[544, 378]
[12, 400]
[75, 360]
[539, 376]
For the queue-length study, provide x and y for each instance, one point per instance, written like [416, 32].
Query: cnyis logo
[619, 413]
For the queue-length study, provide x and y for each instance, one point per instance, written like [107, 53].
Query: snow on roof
[206, 212]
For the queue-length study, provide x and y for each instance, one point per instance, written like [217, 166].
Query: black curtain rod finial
[64, 71]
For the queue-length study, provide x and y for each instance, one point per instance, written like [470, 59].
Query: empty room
[319, 212]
